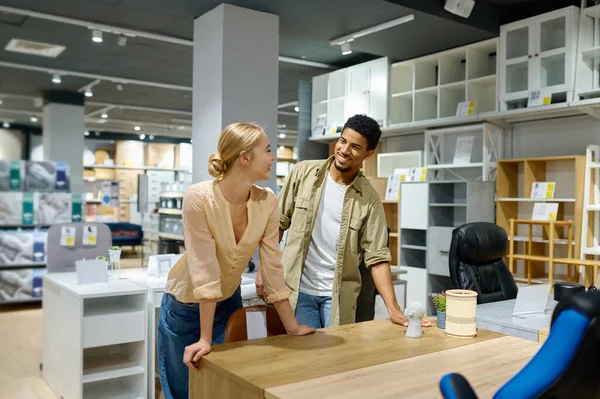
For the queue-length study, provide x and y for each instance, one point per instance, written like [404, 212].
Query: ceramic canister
[461, 313]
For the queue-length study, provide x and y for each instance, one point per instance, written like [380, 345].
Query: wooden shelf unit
[513, 191]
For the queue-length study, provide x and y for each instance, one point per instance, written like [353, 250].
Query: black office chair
[476, 262]
[365, 303]
[566, 366]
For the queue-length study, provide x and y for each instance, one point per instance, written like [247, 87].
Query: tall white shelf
[588, 56]
[95, 338]
[431, 87]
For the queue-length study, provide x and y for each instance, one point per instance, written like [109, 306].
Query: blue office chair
[566, 366]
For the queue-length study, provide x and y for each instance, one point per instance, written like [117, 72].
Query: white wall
[11, 144]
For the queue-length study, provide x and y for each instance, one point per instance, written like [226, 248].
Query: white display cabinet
[95, 338]
[431, 87]
[538, 53]
[588, 58]
[360, 89]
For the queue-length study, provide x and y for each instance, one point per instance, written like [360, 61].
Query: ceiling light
[38, 102]
[34, 119]
[97, 133]
[97, 36]
[191, 141]
[137, 128]
[6, 125]
[142, 136]
[88, 92]
[348, 38]
[122, 41]
[346, 49]
[180, 128]
[281, 126]
[86, 133]
[297, 109]
[151, 137]
[282, 135]
[119, 87]
[104, 115]
[56, 78]
[281, 148]
[0, 101]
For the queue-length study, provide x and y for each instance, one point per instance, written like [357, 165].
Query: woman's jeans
[178, 327]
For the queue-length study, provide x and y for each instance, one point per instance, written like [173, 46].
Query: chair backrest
[61, 259]
[476, 262]
[568, 364]
[236, 326]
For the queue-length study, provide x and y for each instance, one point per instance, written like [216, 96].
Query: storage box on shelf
[429, 211]
[431, 87]
[464, 152]
[513, 200]
[161, 155]
[360, 89]
[95, 338]
[538, 53]
[129, 153]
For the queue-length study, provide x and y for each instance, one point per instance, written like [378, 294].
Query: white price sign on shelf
[465, 108]
[539, 97]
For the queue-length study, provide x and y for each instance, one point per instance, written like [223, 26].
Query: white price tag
[90, 234]
[416, 174]
[539, 97]
[465, 108]
[67, 236]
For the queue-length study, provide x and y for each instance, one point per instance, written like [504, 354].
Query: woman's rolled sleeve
[270, 258]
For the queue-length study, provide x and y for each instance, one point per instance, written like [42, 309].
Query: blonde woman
[224, 221]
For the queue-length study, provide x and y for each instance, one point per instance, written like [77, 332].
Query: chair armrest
[455, 386]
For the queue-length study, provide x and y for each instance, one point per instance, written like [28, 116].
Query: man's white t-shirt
[319, 267]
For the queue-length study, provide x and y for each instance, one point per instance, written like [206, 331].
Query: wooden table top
[486, 364]
[281, 360]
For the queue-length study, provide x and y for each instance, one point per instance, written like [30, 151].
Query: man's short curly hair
[367, 127]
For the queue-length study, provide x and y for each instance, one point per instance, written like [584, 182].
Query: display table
[266, 367]
[497, 316]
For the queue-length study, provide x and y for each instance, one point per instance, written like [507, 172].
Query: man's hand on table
[397, 317]
[194, 352]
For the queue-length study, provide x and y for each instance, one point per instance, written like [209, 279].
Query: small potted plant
[439, 301]
[114, 254]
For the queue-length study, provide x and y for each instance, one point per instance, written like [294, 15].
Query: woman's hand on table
[301, 329]
[194, 352]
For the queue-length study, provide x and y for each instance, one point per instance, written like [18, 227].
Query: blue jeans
[314, 311]
[178, 327]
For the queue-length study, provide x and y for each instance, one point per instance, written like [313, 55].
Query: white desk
[497, 316]
[94, 338]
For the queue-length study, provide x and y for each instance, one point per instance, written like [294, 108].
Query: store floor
[21, 350]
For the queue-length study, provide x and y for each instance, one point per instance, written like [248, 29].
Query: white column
[63, 136]
[236, 72]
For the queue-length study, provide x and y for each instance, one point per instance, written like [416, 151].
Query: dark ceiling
[306, 28]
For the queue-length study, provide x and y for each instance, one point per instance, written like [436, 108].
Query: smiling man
[336, 222]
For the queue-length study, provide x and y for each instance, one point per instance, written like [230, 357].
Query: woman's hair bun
[216, 166]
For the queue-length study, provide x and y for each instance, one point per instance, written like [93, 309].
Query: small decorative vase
[115, 261]
[441, 319]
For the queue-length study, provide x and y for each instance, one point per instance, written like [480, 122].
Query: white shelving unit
[360, 89]
[538, 53]
[431, 87]
[95, 338]
[588, 57]
[440, 147]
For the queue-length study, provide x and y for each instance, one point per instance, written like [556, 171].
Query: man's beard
[340, 168]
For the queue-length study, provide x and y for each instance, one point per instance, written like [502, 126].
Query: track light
[88, 92]
[6, 125]
[282, 135]
[56, 78]
[120, 87]
[104, 115]
[142, 136]
[34, 119]
[137, 128]
[281, 148]
[191, 141]
[86, 133]
[386, 25]
[297, 109]
[346, 49]
[97, 36]
[0, 101]
[122, 41]
[151, 137]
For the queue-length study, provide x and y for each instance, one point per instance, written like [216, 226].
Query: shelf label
[545, 211]
[15, 175]
[543, 190]
[27, 208]
[464, 147]
[67, 236]
[392, 191]
[62, 179]
[465, 108]
[416, 174]
[90, 235]
[76, 211]
[539, 97]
